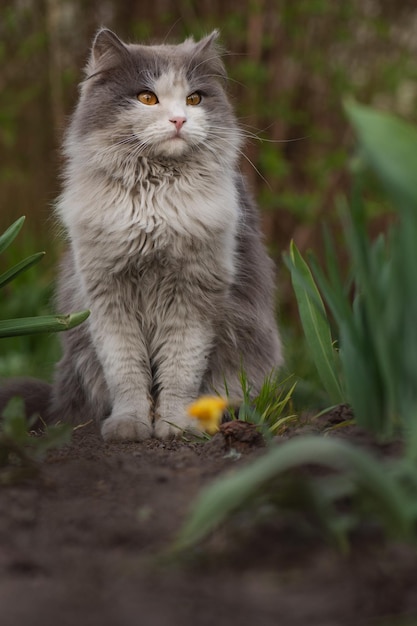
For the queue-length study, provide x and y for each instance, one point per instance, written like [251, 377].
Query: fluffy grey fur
[164, 244]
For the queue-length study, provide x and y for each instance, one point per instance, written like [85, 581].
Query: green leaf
[315, 324]
[362, 379]
[42, 324]
[20, 267]
[11, 233]
[228, 494]
[390, 147]
[333, 289]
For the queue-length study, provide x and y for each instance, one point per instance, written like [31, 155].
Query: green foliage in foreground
[375, 368]
[387, 493]
[22, 451]
[31, 325]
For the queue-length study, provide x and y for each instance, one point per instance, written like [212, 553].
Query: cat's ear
[106, 48]
[208, 53]
[207, 42]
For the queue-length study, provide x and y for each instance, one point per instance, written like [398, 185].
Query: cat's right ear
[106, 48]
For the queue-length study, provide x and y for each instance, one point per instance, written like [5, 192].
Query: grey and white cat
[164, 244]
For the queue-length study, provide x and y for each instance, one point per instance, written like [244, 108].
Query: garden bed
[81, 544]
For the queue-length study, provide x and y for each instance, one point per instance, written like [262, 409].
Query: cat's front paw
[126, 428]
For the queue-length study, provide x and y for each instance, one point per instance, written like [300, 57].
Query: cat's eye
[148, 97]
[193, 99]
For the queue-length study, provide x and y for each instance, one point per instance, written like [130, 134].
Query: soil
[80, 545]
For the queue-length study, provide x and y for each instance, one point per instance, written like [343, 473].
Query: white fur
[152, 216]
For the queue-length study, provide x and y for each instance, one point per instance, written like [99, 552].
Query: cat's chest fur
[157, 209]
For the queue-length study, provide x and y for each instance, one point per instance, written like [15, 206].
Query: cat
[165, 247]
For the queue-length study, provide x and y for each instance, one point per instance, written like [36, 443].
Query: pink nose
[178, 121]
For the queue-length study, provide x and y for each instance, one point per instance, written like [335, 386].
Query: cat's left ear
[106, 42]
[207, 52]
[207, 42]
[106, 48]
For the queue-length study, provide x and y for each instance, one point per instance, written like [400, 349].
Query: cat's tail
[36, 395]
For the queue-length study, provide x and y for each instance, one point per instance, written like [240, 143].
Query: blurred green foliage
[374, 309]
[28, 355]
[28, 295]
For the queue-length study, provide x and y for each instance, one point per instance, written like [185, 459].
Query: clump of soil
[78, 545]
[240, 436]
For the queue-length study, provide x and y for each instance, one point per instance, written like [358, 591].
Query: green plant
[268, 409]
[375, 362]
[20, 450]
[30, 325]
[29, 294]
[386, 270]
[316, 326]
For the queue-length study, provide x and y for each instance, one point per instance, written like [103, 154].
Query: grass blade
[390, 147]
[315, 324]
[20, 267]
[226, 495]
[11, 233]
[42, 324]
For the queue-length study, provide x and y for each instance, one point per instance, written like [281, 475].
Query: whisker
[228, 78]
[245, 156]
[172, 28]
[250, 135]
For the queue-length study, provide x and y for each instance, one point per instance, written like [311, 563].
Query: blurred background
[291, 64]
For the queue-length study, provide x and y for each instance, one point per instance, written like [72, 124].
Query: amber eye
[194, 99]
[148, 97]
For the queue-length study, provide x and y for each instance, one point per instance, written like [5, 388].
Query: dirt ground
[78, 547]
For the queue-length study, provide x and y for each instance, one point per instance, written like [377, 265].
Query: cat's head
[163, 101]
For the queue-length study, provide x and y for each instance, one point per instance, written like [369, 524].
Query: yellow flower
[208, 410]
